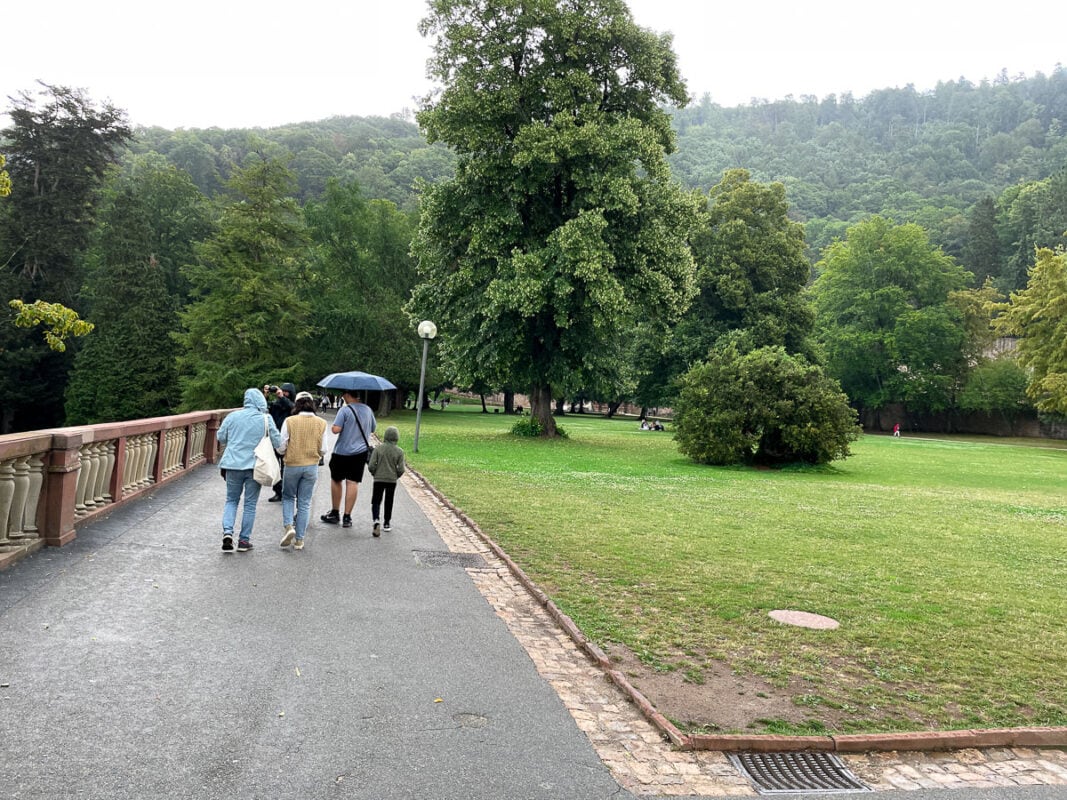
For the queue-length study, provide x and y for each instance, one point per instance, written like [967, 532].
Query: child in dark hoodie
[386, 465]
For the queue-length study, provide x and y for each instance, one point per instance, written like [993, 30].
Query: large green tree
[751, 271]
[1038, 314]
[246, 322]
[59, 147]
[361, 275]
[1034, 216]
[563, 226]
[59, 150]
[151, 216]
[982, 253]
[752, 393]
[884, 317]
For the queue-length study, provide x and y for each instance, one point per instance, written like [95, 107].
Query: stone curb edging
[1055, 737]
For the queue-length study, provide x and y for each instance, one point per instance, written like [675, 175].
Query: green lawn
[945, 561]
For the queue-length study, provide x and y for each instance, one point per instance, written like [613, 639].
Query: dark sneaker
[227, 542]
[332, 518]
[274, 498]
[243, 545]
[347, 521]
[387, 527]
[377, 531]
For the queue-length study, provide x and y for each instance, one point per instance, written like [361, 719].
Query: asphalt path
[143, 662]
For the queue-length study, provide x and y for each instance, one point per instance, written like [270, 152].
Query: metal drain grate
[797, 773]
[446, 558]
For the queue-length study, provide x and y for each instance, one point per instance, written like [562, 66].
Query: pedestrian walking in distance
[386, 465]
[303, 446]
[240, 432]
[353, 424]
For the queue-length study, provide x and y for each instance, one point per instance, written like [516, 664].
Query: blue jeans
[237, 481]
[298, 484]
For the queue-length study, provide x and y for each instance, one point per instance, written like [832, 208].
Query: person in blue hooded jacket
[239, 433]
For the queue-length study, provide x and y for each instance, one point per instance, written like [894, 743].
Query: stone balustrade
[52, 481]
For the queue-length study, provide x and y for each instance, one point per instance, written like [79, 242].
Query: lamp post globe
[427, 330]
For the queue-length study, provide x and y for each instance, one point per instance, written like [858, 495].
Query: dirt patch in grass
[718, 700]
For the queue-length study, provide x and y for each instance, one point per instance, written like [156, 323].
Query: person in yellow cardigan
[303, 446]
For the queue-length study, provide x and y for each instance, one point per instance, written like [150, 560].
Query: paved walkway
[142, 662]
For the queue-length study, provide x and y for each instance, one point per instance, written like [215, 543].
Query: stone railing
[55, 480]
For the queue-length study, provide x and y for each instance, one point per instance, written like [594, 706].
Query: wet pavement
[141, 661]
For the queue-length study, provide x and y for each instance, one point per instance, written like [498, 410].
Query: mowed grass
[945, 561]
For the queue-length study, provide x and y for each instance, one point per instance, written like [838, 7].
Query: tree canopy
[59, 147]
[884, 318]
[151, 215]
[246, 318]
[562, 226]
[1038, 314]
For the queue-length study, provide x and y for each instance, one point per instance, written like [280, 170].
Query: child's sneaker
[346, 522]
[377, 530]
[243, 545]
[387, 527]
[290, 534]
[227, 542]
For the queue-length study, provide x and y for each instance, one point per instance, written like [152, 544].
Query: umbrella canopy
[356, 381]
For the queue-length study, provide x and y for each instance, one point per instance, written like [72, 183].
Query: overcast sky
[237, 63]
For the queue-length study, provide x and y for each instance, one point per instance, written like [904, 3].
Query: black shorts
[347, 468]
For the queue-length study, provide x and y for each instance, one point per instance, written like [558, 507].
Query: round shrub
[764, 407]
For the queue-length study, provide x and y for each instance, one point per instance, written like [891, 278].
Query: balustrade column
[93, 451]
[7, 495]
[18, 501]
[103, 484]
[84, 468]
[31, 513]
[61, 488]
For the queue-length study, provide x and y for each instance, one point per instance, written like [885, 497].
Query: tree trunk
[613, 407]
[541, 410]
[509, 401]
[484, 409]
[561, 407]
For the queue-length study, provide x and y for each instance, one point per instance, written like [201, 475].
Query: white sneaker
[290, 534]
[387, 527]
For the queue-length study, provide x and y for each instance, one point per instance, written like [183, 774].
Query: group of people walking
[299, 437]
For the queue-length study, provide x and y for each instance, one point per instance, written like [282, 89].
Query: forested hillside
[384, 156]
[907, 202]
[940, 158]
[924, 157]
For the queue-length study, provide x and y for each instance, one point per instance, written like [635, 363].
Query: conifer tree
[246, 321]
[150, 218]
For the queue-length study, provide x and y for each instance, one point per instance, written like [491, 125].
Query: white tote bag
[267, 472]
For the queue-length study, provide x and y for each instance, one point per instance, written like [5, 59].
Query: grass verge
[944, 560]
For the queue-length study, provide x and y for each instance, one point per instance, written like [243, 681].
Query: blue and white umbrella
[355, 381]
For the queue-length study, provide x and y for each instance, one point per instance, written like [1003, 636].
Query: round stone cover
[804, 619]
